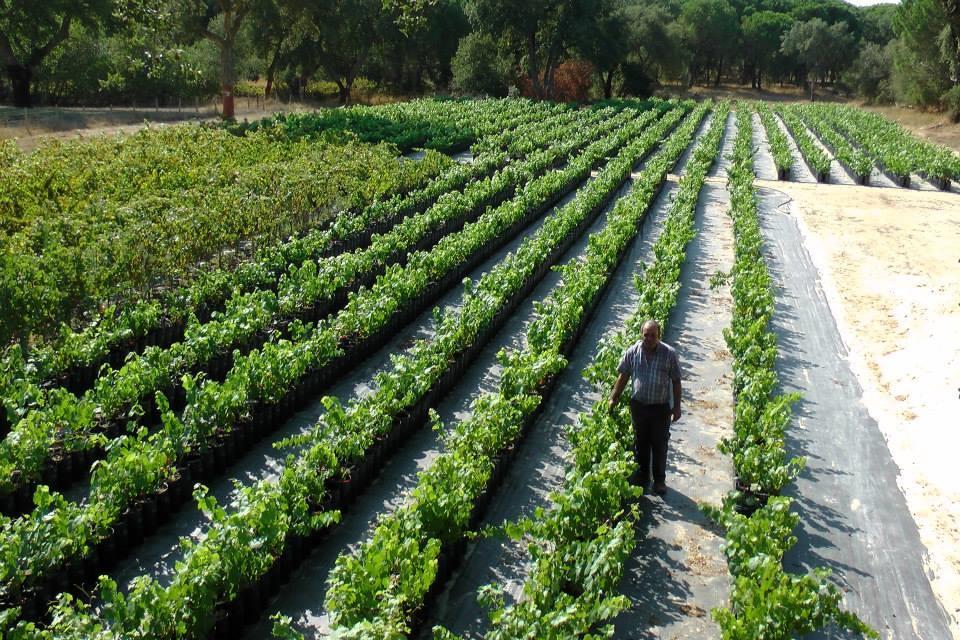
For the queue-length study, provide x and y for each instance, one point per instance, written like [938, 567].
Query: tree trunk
[608, 84]
[759, 80]
[20, 77]
[227, 78]
[272, 70]
[343, 91]
[533, 67]
[719, 71]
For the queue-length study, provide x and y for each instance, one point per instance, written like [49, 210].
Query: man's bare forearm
[618, 388]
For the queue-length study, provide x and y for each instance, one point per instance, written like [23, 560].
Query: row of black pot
[362, 238]
[214, 460]
[860, 179]
[900, 181]
[822, 177]
[81, 377]
[940, 182]
[344, 489]
[20, 499]
[77, 574]
[61, 470]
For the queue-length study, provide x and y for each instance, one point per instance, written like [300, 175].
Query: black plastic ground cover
[854, 519]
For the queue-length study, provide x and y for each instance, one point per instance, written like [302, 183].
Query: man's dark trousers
[651, 433]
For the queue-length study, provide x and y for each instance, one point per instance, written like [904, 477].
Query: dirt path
[868, 323]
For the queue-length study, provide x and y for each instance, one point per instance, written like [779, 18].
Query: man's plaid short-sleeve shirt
[652, 374]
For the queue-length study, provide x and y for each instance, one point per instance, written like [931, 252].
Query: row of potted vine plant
[381, 589]
[779, 146]
[282, 366]
[310, 293]
[897, 152]
[858, 164]
[302, 484]
[117, 331]
[580, 543]
[813, 155]
[80, 248]
[766, 601]
[75, 358]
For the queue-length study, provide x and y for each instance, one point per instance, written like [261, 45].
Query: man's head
[651, 334]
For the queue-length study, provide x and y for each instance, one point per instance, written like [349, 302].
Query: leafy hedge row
[779, 146]
[766, 601]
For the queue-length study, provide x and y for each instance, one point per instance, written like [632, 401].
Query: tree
[877, 22]
[950, 51]
[710, 29]
[604, 41]
[413, 54]
[277, 27]
[818, 46]
[655, 42]
[31, 29]
[218, 21]
[921, 73]
[870, 73]
[343, 34]
[479, 68]
[540, 31]
[763, 32]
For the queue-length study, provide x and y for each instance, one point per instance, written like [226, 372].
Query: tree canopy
[83, 50]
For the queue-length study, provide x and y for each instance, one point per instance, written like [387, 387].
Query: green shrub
[479, 68]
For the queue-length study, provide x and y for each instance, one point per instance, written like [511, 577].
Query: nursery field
[346, 374]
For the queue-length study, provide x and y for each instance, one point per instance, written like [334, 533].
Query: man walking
[655, 370]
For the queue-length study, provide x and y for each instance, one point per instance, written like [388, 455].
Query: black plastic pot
[749, 501]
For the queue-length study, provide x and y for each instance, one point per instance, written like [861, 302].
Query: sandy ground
[888, 259]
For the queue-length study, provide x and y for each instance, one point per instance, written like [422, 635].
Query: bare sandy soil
[889, 263]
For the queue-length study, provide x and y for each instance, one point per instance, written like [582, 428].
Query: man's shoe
[660, 488]
[638, 480]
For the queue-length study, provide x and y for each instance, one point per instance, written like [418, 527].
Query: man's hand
[676, 413]
[618, 388]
